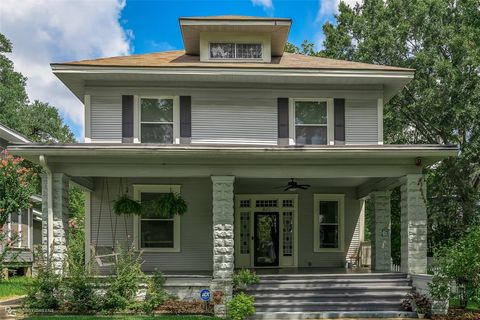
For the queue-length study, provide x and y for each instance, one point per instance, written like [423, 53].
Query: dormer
[234, 39]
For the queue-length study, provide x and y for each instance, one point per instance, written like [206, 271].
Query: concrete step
[294, 295]
[334, 276]
[339, 280]
[275, 304]
[397, 315]
[326, 289]
[320, 308]
[326, 300]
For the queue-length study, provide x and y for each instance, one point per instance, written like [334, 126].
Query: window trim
[330, 121]
[137, 190]
[235, 52]
[176, 117]
[340, 198]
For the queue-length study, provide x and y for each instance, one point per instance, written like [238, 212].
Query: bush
[420, 302]
[156, 294]
[79, 283]
[244, 277]
[240, 307]
[45, 291]
[458, 262]
[124, 283]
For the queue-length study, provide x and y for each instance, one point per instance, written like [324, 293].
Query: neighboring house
[27, 224]
[227, 123]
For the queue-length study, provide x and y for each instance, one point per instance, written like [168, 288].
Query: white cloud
[328, 7]
[43, 32]
[266, 4]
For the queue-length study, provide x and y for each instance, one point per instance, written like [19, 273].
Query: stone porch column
[414, 224]
[381, 231]
[223, 208]
[55, 224]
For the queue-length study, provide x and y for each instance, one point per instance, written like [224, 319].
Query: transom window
[328, 222]
[235, 51]
[311, 122]
[157, 120]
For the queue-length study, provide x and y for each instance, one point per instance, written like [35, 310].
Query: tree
[439, 39]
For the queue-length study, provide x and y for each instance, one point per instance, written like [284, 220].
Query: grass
[454, 303]
[158, 317]
[14, 286]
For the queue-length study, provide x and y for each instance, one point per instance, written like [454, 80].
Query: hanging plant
[125, 205]
[169, 204]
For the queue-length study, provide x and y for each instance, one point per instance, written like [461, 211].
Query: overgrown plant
[123, 285]
[156, 294]
[79, 281]
[458, 262]
[421, 302]
[240, 307]
[244, 277]
[45, 291]
[169, 205]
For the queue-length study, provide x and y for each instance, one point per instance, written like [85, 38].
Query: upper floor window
[311, 122]
[157, 120]
[235, 51]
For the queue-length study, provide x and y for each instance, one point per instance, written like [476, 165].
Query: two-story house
[228, 123]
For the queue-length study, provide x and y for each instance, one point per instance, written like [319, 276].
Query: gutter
[43, 163]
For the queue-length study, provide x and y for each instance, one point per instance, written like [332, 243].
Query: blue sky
[46, 31]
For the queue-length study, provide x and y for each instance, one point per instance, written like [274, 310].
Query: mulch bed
[185, 307]
[459, 314]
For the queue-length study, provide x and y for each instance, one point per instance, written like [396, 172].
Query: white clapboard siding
[106, 118]
[234, 119]
[361, 122]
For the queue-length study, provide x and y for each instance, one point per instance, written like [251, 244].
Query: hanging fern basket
[126, 205]
[169, 205]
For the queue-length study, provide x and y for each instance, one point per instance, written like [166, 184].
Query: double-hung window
[311, 121]
[158, 119]
[328, 222]
[152, 233]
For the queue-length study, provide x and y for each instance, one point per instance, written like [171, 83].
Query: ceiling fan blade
[303, 187]
[287, 188]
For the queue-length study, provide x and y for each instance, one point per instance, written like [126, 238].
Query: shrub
[45, 291]
[156, 294]
[240, 307]
[244, 277]
[124, 283]
[458, 262]
[421, 302]
[79, 283]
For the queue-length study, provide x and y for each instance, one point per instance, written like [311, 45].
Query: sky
[46, 31]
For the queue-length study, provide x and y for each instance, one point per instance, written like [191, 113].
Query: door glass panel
[245, 232]
[266, 239]
[287, 233]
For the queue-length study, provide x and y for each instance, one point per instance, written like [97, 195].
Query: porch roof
[385, 153]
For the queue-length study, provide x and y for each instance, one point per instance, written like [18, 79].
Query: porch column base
[381, 231]
[223, 245]
[414, 224]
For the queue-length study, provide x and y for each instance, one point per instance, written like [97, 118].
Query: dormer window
[235, 51]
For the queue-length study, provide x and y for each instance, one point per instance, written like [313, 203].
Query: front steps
[331, 296]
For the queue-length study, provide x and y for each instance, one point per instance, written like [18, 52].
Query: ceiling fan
[292, 185]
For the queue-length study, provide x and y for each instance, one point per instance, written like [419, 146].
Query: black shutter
[283, 125]
[127, 119]
[339, 120]
[185, 118]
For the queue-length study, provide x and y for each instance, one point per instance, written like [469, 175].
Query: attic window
[235, 51]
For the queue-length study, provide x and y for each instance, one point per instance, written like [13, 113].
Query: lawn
[14, 286]
[158, 317]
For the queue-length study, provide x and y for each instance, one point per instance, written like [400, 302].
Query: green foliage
[124, 283]
[17, 185]
[244, 277]
[125, 205]
[459, 262]
[170, 204]
[439, 39]
[240, 307]
[306, 48]
[14, 286]
[420, 302]
[156, 294]
[45, 291]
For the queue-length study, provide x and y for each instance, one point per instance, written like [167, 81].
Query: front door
[266, 239]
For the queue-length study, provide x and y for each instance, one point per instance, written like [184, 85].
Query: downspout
[43, 163]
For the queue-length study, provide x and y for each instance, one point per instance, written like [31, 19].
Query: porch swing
[102, 258]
